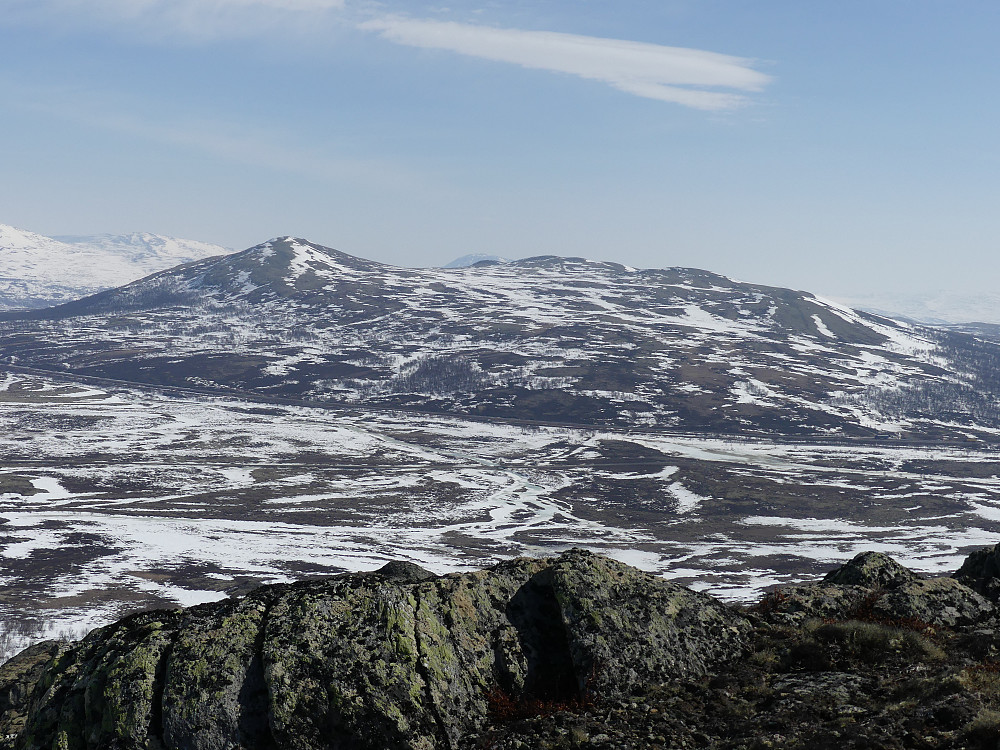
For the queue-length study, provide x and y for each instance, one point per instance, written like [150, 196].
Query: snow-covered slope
[545, 338]
[38, 271]
[150, 252]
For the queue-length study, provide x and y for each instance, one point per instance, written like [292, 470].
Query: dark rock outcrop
[393, 659]
[981, 571]
[19, 678]
[872, 570]
[938, 601]
[872, 656]
[873, 585]
[575, 651]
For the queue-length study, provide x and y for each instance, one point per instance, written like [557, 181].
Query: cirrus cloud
[681, 75]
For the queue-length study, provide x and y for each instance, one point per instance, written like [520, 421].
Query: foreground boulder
[575, 651]
[873, 586]
[872, 570]
[394, 659]
[981, 571]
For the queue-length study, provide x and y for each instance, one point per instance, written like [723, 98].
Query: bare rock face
[393, 659]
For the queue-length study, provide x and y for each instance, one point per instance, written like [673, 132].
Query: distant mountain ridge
[470, 260]
[544, 338]
[941, 308]
[38, 271]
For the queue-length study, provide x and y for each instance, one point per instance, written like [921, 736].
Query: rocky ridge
[575, 651]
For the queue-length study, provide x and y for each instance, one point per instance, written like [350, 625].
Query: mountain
[151, 252]
[546, 338]
[37, 271]
[470, 260]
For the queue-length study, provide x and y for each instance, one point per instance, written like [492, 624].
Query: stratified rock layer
[395, 659]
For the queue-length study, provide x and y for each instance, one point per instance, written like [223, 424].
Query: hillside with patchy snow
[38, 271]
[546, 338]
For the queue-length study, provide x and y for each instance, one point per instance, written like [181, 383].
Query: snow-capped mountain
[545, 338]
[470, 260]
[38, 271]
[151, 252]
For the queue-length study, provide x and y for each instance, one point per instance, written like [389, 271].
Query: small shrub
[983, 679]
[829, 645]
[864, 611]
[984, 730]
[771, 603]
[915, 689]
[808, 655]
[765, 659]
[874, 642]
[504, 707]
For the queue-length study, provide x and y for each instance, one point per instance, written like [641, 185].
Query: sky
[845, 148]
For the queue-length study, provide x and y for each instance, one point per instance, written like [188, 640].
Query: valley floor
[118, 499]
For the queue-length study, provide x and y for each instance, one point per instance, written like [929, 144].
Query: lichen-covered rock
[875, 587]
[796, 604]
[937, 601]
[214, 694]
[104, 692]
[395, 659]
[872, 570]
[18, 678]
[981, 571]
[626, 628]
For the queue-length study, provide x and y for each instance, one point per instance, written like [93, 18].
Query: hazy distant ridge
[38, 271]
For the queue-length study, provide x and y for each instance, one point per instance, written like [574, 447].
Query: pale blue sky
[837, 147]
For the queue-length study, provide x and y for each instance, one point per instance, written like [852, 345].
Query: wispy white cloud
[690, 77]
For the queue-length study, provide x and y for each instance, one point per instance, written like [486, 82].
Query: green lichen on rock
[214, 689]
[938, 601]
[626, 627]
[399, 658]
[128, 701]
[104, 691]
[874, 586]
[341, 660]
[19, 678]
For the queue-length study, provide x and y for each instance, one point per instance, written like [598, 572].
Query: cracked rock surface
[575, 651]
[399, 658]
